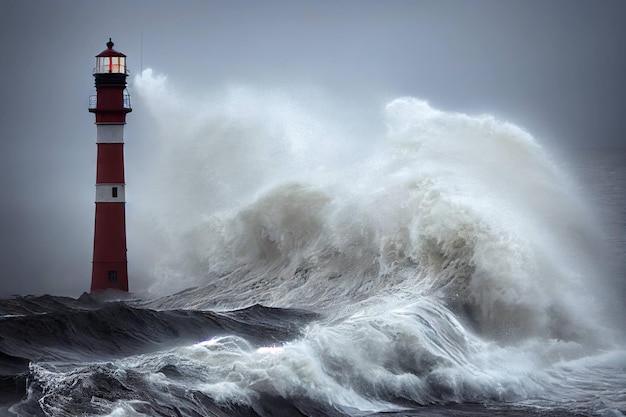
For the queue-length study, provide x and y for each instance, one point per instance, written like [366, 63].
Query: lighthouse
[110, 106]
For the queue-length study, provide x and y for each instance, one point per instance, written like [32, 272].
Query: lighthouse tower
[110, 105]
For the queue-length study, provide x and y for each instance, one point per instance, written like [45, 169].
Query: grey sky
[555, 68]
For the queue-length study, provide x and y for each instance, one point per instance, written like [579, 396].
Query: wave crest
[469, 209]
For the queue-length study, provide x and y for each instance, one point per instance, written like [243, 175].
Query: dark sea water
[459, 270]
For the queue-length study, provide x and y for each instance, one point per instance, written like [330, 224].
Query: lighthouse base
[110, 267]
[109, 275]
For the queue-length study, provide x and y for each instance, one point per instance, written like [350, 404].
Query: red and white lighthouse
[110, 105]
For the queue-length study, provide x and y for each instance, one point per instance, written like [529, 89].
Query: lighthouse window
[112, 276]
[111, 64]
[114, 192]
[115, 64]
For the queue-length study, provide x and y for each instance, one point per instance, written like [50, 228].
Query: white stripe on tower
[110, 134]
[110, 193]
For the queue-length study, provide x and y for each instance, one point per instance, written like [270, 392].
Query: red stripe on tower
[110, 105]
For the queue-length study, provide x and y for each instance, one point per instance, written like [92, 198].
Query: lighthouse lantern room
[110, 106]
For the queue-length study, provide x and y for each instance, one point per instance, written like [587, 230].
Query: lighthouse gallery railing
[93, 101]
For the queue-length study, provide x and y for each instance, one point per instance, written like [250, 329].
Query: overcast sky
[556, 68]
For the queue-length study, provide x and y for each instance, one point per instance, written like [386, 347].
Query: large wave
[466, 208]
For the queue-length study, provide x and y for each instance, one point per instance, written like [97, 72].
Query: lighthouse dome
[110, 61]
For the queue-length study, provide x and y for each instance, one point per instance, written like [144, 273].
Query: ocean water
[429, 263]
